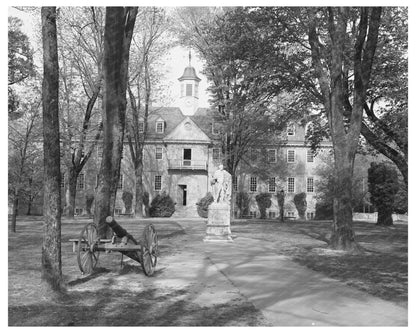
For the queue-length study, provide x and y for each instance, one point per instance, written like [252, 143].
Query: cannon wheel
[87, 254]
[149, 250]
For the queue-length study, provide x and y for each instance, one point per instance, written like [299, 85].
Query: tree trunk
[71, 192]
[29, 207]
[119, 24]
[51, 248]
[139, 187]
[15, 212]
[384, 217]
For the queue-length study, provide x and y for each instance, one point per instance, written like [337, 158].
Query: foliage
[401, 201]
[324, 210]
[301, 204]
[127, 198]
[162, 205]
[263, 202]
[146, 202]
[243, 203]
[383, 184]
[203, 205]
[89, 199]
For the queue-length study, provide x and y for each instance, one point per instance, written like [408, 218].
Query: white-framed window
[253, 214]
[214, 128]
[272, 184]
[78, 211]
[159, 153]
[290, 214]
[118, 211]
[272, 215]
[310, 215]
[271, 155]
[141, 126]
[309, 185]
[158, 183]
[80, 181]
[235, 183]
[290, 129]
[216, 154]
[253, 184]
[290, 184]
[291, 156]
[309, 156]
[160, 126]
[120, 182]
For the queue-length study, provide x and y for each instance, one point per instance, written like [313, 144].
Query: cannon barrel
[126, 238]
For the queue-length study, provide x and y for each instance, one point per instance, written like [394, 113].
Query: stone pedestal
[218, 226]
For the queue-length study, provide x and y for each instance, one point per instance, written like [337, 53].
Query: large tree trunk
[51, 248]
[119, 24]
[384, 216]
[71, 192]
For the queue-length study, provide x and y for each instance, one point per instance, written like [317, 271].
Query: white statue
[221, 185]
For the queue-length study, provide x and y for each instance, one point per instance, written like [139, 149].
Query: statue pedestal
[218, 226]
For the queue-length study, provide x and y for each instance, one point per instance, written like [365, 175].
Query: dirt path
[187, 290]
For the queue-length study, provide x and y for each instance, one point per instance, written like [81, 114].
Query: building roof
[189, 74]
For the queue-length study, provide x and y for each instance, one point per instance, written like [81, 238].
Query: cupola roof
[189, 73]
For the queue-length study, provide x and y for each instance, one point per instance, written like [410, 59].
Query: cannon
[88, 246]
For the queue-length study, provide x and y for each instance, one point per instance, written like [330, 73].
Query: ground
[188, 289]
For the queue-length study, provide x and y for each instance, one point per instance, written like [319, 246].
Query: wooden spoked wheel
[87, 252]
[149, 250]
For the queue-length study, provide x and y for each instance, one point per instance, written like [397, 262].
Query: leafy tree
[301, 204]
[81, 49]
[148, 45]
[263, 202]
[383, 184]
[25, 164]
[51, 247]
[281, 202]
[20, 61]
[119, 25]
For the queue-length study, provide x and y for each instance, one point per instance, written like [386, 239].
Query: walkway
[291, 295]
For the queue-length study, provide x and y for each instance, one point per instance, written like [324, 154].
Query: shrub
[264, 202]
[146, 203]
[89, 199]
[383, 185]
[301, 204]
[203, 205]
[162, 205]
[243, 203]
[127, 198]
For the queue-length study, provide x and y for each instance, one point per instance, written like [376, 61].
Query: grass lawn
[174, 296]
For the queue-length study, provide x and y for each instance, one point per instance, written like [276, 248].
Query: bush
[243, 203]
[263, 202]
[324, 210]
[383, 185]
[203, 205]
[127, 198]
[162, 206]
[301, 204]
[89, 199]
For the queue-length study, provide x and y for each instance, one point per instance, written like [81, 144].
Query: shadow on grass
[97, 272]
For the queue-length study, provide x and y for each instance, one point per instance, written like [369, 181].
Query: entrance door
[182, 194]
[187, 156]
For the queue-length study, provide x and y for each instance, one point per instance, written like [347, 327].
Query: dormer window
[290, 130]
[160, 126]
